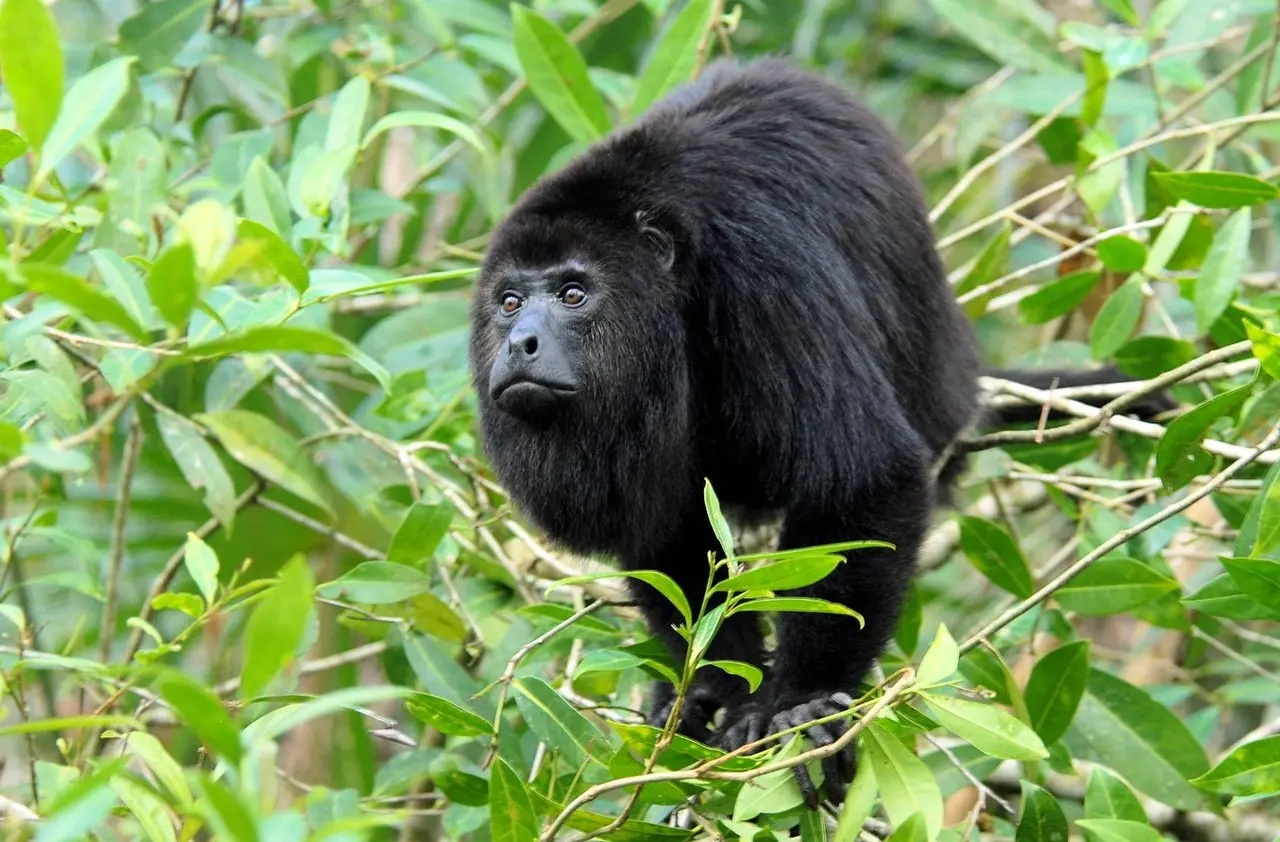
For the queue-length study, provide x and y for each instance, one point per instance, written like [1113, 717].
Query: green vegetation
[257, 584]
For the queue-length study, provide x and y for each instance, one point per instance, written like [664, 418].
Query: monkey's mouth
[532, 400]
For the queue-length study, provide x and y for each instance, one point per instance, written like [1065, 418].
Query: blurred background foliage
[239, 465]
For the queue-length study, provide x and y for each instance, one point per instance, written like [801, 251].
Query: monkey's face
[539, 318]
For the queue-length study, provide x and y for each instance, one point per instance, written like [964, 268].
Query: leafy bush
[258, 584]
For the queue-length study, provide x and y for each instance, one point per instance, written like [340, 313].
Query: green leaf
[798, 604]
[673, 58]
[940, 661]
[511, 815]
[1107, 797]
[1257, 578]
[858, 803]
[259, 444]
[1179, 458]
[1123, 9]
[992, 551]
[61, 723]
[146, 808]
[557, 75]
[172, 283]
[276, 627]
[1117, 319]
[906, 784]
[201, 711]
[1223, 268]
[446, 717]
[718, 523]
[1249, 770]
[264, 198]
[377, 583]
[1058, 298]
[1042, 819]
[427, 120]
[1222, 597]
[1123, 728]
[202, 564]
[1122, 254]
[988, 728]
[1210, 189]
[782, 576]
[1151, 356]
[914, 829]
[89, 103]
[1266, 347]
[659, 581]
[283, 259]
[429, 613]
[200, 465]
[12, 147]
[772, 793]
[420, 533]
[753, 674]
[559, 724]
[1113, 585]
[1055, 688]
[346, 120]
[1267, 539]
[159, 31]
[990, 264]
[77, 294]
[1008, 37]
[1117, 830]
[231, 819]
[284, 339]
[166, 770]
[284, 719]
[813, 827]
[31, 65]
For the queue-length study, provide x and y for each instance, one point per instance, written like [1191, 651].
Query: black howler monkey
[741, 286]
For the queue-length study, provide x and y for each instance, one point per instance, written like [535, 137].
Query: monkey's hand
[700, 706]
[757, 721]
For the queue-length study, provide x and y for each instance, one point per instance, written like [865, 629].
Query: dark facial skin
[533, 377]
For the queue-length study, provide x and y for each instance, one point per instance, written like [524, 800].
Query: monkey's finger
[843, 699]
[807, 789]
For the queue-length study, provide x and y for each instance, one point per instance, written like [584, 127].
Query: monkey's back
[806, 222]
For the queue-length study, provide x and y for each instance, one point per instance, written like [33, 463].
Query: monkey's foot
[755, 723]
[700, 706]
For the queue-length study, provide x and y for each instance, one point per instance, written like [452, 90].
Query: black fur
[767, 310]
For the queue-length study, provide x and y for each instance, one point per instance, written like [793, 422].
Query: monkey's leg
[684, 559]
[821, 658]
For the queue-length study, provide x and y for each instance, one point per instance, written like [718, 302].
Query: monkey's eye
[511, 303]
[573, 295]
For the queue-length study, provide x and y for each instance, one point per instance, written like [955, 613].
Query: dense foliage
[257, 584]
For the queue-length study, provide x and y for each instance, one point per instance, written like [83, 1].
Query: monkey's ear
[657, 237]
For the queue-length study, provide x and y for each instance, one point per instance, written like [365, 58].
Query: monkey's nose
[525, 344]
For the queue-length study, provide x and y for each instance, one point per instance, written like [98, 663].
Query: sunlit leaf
[31, 65]
[1223, 268]
[718, 523]
[423, 527]
[906, 784]
[446, 717]
[858, 803]
[1250, 769]
[1117, 319]
[798, 604]
[753, 674]
[89, 102]
[511, 816]
[377, 582]
[557, 75]
[941, 659]
[263, 447]
[1107, 797]
[672, 59]
[783, 575]
[988, 728]
[172, 283]
[659, 581]
[1257, 578]
[276, 252]
[284, 339]
[1266, 347]
[12, 147]
[1119, 830]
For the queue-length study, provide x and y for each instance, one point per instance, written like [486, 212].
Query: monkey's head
[576, 312]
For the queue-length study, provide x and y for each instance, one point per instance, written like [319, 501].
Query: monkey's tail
[1147, 408]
